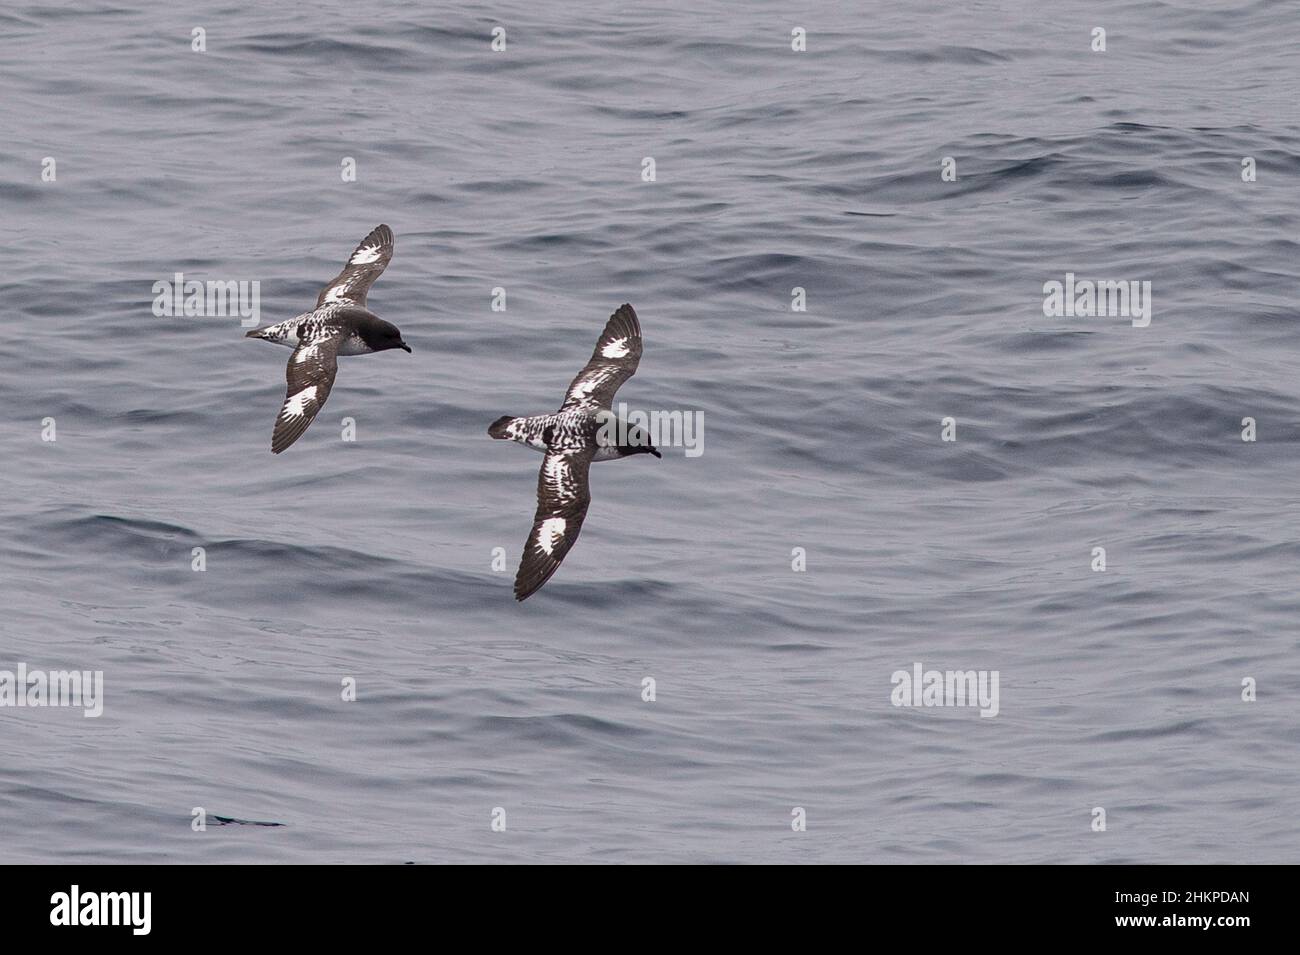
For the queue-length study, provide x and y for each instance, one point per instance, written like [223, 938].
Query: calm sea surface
[372, 560]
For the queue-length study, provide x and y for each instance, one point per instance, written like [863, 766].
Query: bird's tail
[498, 428]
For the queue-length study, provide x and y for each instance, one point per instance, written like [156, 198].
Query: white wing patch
[557, 468]
[614, 361]
[297, 405]
[550, 533]
[305, 354]
[364, 265]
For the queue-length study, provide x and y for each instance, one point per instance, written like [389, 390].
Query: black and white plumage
[582, 431]
[339, 325]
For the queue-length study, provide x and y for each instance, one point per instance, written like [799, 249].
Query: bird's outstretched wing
[614, 361]
[562, 498]
[365, 265]
[310, 374]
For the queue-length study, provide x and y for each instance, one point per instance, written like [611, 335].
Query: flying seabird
[582, 431]
[340, 324]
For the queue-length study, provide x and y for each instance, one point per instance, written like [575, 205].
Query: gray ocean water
[371, 560]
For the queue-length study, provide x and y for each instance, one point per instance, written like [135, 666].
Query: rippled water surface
[775, 169]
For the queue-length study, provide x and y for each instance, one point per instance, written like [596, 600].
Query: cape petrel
[340, 324]
[582, 431]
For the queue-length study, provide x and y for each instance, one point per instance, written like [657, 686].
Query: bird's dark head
[646, 448]
[630, 438]
[381, 336]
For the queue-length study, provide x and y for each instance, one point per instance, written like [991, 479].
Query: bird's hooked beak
[655, 453]
[404, 347]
